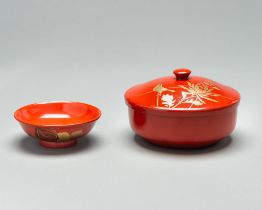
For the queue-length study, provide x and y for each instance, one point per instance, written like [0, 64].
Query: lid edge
[166, 110]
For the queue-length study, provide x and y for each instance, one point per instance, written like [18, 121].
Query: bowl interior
[57, 113]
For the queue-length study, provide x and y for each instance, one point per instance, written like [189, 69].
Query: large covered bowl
[182, 110]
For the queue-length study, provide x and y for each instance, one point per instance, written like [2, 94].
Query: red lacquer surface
[57, 124]
[182, 110]
[182, 92]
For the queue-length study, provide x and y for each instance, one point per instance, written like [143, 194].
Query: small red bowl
[57, 124]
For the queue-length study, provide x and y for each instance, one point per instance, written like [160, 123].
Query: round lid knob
[182, 74]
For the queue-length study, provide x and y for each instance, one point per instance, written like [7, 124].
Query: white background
[92, 51]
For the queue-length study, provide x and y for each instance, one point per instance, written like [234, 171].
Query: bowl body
[57, 124]
[183, 130]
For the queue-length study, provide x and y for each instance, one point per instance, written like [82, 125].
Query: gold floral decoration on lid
[182, 92]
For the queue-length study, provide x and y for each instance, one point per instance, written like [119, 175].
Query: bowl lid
[181, 92]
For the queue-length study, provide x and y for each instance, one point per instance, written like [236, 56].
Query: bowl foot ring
[57, 145]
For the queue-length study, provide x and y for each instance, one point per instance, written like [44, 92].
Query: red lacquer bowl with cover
[57, 124]
[182, 111]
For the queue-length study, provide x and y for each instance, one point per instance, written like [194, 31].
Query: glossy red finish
[57, 124]
[183, 111]
[182, 74]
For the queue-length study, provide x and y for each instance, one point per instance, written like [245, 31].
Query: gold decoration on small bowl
[76, 134]
[46, 134]
[63, 136]
[53, 136]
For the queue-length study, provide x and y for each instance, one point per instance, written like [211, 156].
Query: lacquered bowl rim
[58, 125]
